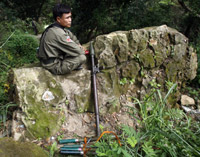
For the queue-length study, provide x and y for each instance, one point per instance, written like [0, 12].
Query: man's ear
[58, 19]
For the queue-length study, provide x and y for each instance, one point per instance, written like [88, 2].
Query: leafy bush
[162, 131]
[21, 49]
[16, 51]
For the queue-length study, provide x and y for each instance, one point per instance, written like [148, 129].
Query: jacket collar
[58, 25]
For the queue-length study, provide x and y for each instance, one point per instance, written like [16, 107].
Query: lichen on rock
[40, 116]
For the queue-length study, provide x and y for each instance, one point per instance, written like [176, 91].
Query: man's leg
[60, 67]
[71, 63]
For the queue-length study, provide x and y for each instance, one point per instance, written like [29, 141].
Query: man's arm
[69, 46]
[73, 37]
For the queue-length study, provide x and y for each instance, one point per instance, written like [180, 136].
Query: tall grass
[163, 131]
[4, 111]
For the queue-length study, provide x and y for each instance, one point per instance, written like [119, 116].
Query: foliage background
[94, 17]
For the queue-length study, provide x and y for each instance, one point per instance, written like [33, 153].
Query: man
[60, 52]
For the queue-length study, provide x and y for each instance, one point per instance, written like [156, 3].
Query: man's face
[65, 20]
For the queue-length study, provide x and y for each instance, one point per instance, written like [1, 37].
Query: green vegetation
[15, 50]
[108, 15]
[123, 81]
[53, 148]
[162, 131]
[3, 114]
[20, 49]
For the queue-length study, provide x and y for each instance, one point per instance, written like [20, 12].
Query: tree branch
[188, 9]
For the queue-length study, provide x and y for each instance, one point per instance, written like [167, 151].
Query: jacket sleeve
[73, 37]
[68, 46]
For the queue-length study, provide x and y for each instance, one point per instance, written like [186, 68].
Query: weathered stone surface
[155, 53]
[132, 62]
[41, 114]
[186, 100]
[9, 147]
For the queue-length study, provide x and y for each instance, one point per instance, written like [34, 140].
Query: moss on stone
[171, 72]
[147, 59]
[108, 81]
[84, 102]
[9, 148]
[130, 70]
[142, 45]
[42, 121]
[45, 122]
[159, 58]
[58, 93]
[113, 106]
[173, 98]
[111, 84]
[120, 47]
[160, 53]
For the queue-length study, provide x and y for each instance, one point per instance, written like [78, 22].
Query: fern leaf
[132, 141]
[126, 154]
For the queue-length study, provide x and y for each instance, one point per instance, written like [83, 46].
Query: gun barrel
[95, 89]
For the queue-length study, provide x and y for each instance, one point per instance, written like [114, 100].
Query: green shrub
[21, 49]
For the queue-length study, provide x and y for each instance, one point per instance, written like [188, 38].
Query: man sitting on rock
[60, 52]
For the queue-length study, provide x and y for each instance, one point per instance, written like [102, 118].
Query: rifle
[95, 69]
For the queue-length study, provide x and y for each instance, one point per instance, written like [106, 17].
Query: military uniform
[60, 51]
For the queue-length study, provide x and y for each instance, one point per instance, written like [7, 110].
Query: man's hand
[84, 49]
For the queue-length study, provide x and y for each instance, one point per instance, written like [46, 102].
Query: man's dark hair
[60, 9]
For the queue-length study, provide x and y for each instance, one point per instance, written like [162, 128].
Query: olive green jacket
[58, 42]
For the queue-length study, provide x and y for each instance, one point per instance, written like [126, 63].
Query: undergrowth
[162, 132]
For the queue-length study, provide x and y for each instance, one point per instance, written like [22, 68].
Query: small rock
[186, 100]
[86, 118]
